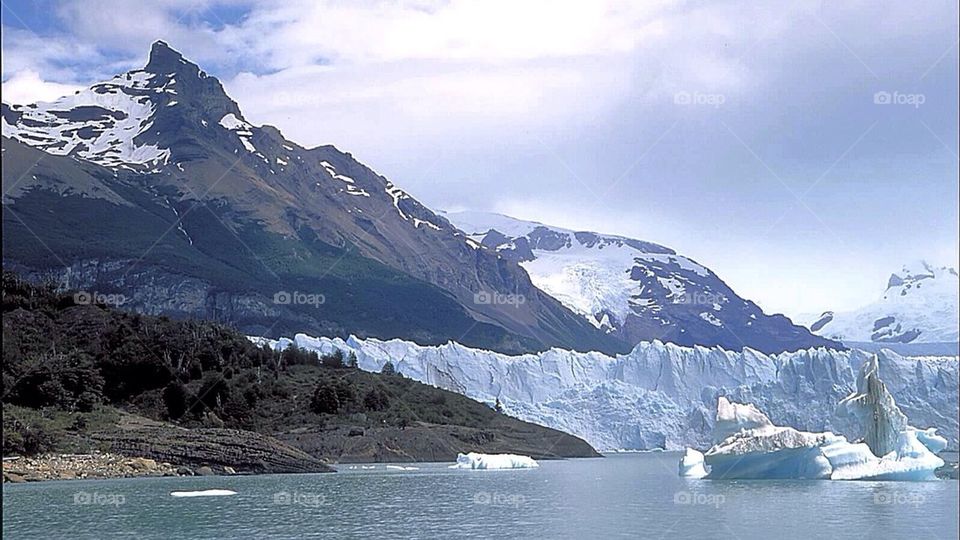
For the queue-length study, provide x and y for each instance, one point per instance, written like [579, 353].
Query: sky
[802, 150]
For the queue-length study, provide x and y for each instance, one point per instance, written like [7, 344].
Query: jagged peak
[164, 58]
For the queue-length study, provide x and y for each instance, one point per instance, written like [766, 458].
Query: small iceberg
[474, 460]
[401, 468]
[204, 493]
[747, 445]
[691, 464]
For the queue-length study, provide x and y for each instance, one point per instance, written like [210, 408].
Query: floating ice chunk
[770, 452]
[735, 417]
[474, 460]
[752, 447]
[204, 493]
[691, 464]
[874, 407]
[402, 468]
[930, 439]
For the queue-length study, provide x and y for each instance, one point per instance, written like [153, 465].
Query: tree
[333, 360]
[376, 400]
[345, 393]
[498, 406]
[71, 381]
[325, 400]
[213, 391]
[352, 360]
[175, 398]
[388, 369]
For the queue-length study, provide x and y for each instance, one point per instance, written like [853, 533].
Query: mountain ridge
[242, 202]
[634, 289]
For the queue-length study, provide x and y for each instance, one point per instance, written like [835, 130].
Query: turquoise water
[626, 496]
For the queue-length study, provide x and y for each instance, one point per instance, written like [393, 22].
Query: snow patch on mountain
[102, 123]
[663, 395]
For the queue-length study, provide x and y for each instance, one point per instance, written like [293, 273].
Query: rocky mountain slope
[635, 290]
[921, 304]
[663, 395]
[153, 185]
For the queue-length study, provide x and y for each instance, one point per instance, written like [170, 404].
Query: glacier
[749, 446]
[476, 461]
[663, 395]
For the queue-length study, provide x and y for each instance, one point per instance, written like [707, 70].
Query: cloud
[26, 86]
[568, 112]
[495, 30]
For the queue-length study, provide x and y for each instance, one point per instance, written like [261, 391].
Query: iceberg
[476, 461]
[204, 493]
[749, 446]
[691, 464]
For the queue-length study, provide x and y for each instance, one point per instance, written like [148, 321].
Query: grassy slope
[361, 296]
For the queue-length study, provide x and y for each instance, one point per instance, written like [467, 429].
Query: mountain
[921, 304]
[661, 395]
[154, 188]
[635, 290]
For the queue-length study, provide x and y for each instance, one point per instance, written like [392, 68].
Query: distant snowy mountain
[919, 305]
[662, 395]
[632, 289]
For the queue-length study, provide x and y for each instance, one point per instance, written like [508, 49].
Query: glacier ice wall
[663, 395]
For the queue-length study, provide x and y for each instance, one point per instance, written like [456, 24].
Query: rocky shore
[98, 465]
[138, 447]
[18, 469]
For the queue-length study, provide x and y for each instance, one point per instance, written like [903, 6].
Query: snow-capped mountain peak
[919, 305]
[168, 143]
[633, 289]
[120, 122]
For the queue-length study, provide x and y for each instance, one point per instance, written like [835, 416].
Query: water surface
[620, 496]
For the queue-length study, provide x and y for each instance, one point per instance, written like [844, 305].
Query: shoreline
[110, 466]
[94, 466]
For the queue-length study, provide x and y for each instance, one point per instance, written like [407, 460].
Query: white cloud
[515, 105]
[26, 86]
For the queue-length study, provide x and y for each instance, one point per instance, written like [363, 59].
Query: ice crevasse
[747, 445]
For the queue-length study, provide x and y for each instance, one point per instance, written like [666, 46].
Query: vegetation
[362, 296]
[69, 368]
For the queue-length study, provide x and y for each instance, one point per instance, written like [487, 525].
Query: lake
[627, 496]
